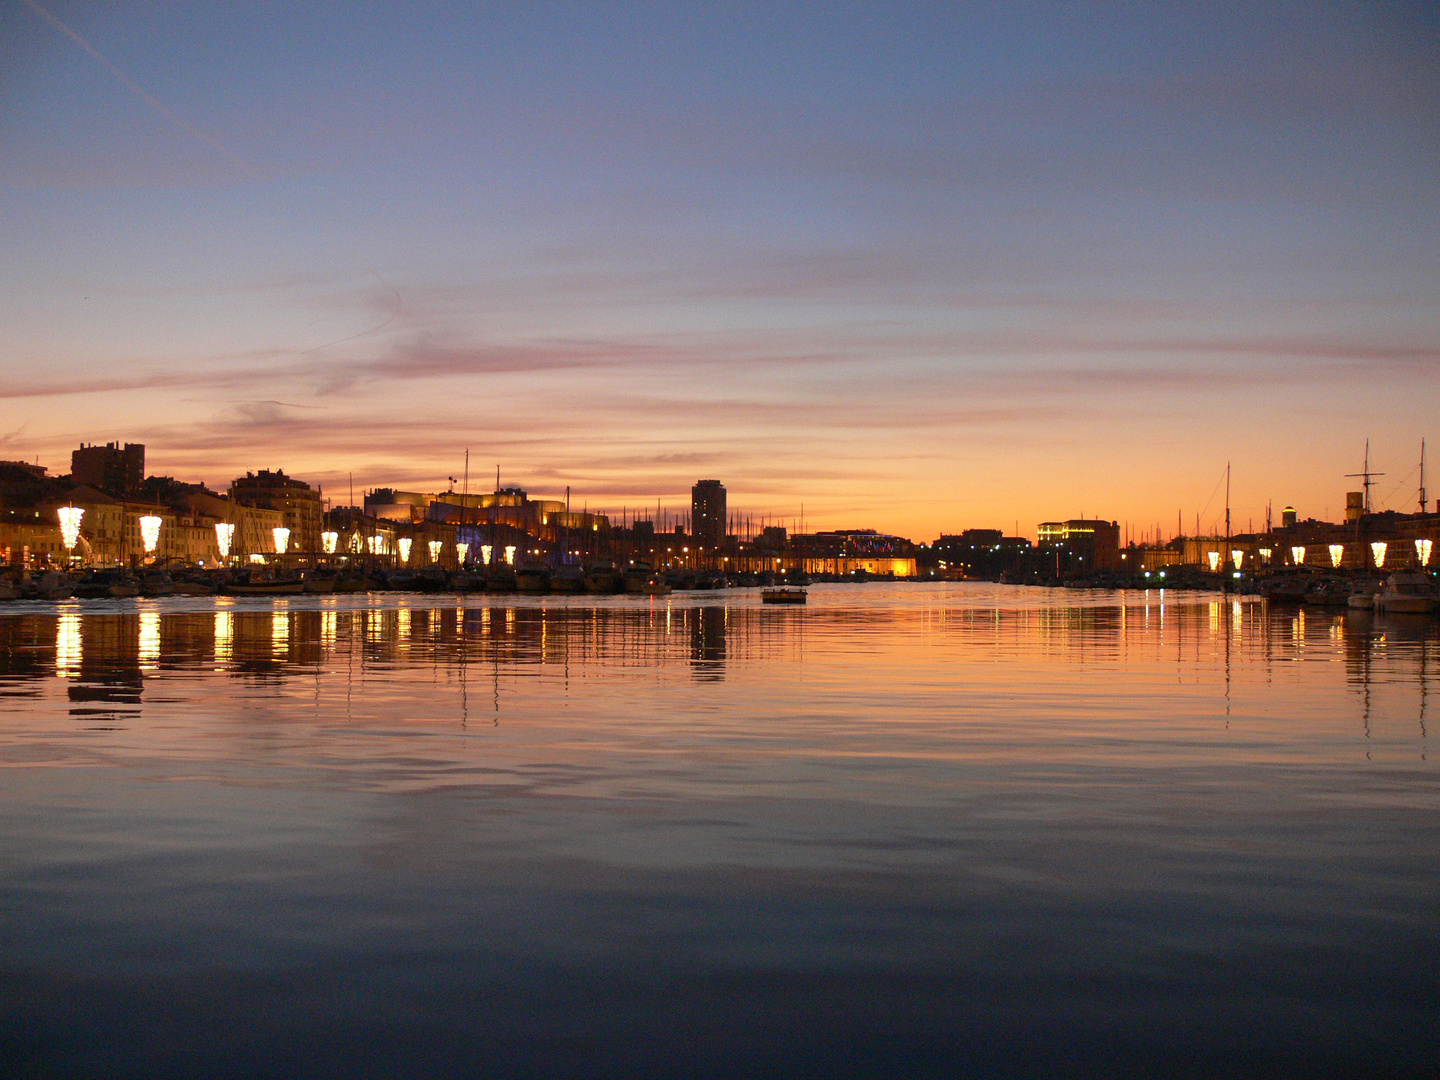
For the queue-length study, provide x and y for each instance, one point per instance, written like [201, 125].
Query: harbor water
[902, 830]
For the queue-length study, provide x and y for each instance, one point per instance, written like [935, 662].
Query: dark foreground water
[903, 831]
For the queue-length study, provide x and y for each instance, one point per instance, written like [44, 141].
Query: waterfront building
[394, 505]
[360, 536]
[548, 524]
[112, 468]
[1081, 544]
[298, 503]
[977, 553]
[707, 513]
[844, 552]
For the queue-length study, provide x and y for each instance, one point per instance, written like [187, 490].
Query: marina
[1076, 817]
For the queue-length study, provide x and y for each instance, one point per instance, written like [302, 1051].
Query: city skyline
[918, 273]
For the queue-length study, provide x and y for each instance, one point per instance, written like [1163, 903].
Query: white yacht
[1407, 592]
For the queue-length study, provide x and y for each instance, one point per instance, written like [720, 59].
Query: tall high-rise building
[112, 468]
[707, 512]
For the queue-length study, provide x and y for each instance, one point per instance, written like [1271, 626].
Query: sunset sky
[917, 267]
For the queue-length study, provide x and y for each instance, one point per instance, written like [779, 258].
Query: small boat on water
[192, 586]
[567, 579]
[656, 586]
[255, 584]
[51, 585]
[636, 577]
[1362, 595]
[1407, 593]
[156, 583]
[782, 595]
[1287, 587]
[106, 584]
[532, 579]
[602, 579]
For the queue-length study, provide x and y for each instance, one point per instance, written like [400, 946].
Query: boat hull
[275, 588]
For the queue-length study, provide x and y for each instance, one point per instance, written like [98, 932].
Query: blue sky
[918, 267]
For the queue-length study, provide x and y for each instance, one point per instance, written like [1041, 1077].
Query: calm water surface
[905, 830]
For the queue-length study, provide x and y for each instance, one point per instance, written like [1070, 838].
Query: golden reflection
[280, 633]
[403, 625]
[329, 620]
[149, 640]
[69, 649]
[224, 638]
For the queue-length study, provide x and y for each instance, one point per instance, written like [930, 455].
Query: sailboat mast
[1422, 476]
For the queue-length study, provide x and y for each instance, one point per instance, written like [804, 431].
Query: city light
[224, 537]
[1265, 554]
[282, 539]
[1377, 552]
[330, 542]
[1213, 557]
[462, 549]
[1297, 556]
[1237, 557]
[1337, 553]
[149, 533]
[510, 554]
[70, 526]
[1422, 551]
[403, 546]
[376, 544]
[435, 546]
[485, 552]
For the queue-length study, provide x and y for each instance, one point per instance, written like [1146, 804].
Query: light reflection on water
[992, 818]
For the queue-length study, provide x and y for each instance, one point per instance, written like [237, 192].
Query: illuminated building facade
[299, 505]
[1083, 544]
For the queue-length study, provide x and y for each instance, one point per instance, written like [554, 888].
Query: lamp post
[150, 534]
[70, 529]
[224, 538]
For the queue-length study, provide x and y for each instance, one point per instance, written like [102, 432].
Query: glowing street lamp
[1265, 554]
[1337, 552]
[435, 546]
[403, 546]
[282, 539]
[1237, 557]
[462, 549]
[1377, 552]
[70, 527]
[1422, 551]
[224, 537]
[330, 542]
[1213, 557]
[510, 554]
[485, 552]
[149, 533]
[376, 544]
[1297, 556]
